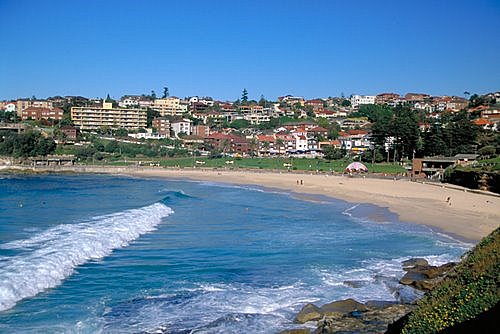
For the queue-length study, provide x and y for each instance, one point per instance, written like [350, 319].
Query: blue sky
[311, 48]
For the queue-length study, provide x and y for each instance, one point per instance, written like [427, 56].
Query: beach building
[91, 118]
[433, 167]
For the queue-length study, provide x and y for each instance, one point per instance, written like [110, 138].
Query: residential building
[8, 106]
[181, 126]
[39, 113]
[90, 118]
[228, 143]
[386, 98]
[357, 100]
[202, 131]
[162, 125]
[25, 103]
[292, 100]
[170, 106]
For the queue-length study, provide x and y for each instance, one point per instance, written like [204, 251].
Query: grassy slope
[472, 288]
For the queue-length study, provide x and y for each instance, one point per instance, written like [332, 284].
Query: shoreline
[452, 210]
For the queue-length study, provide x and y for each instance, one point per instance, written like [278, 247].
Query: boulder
[425, 277]
[418, 261]
[309, 312]
[411, 277]
[343, 307]
[378, 304]
[372, 321]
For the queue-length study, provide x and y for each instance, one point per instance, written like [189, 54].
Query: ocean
[116, 254]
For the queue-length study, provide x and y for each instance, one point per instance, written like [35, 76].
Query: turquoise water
[107, 254]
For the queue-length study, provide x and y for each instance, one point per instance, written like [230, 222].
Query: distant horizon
[313, 49]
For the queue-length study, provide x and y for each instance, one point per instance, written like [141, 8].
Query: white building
[181, 126]
[357, 100]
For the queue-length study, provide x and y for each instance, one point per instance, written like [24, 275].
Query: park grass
[300, 164]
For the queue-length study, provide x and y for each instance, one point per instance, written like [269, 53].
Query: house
[8, 106]
[267, 145]
[228, 143]
[386, 98]
[316, 104]
[485, 124]
[201, 131]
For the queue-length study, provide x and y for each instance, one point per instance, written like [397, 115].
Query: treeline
[398, 129]
[27, 144]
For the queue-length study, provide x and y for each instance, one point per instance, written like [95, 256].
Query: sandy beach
[454, 210]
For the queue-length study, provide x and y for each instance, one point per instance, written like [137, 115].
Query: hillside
[468, 295]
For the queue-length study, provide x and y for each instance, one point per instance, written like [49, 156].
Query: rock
[372, 321]
[418, 261]
[377, 304]
[425, 277]
[343, 307]
[296, 331]
[411, 277]
[308, 313]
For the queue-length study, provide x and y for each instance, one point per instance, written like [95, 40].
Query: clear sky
[216, 48]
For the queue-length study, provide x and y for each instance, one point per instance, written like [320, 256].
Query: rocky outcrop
[423, 276]
[373, 320]
[308, 313]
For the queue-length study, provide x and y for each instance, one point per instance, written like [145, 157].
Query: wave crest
[51, 256]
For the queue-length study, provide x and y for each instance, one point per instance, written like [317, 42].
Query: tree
[487, 151]
[262, 101]
[153, 95]
[345, 103]
[244, 96]
[239, 124]
[332, 153]
[165, 93]
[405, 131]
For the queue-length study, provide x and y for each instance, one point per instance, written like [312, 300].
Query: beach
[454, 210]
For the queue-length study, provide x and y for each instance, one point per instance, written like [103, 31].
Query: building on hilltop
[91, 118]
[170, 106]
[357, 100]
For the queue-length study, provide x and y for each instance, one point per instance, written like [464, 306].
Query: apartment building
[89, 118]
[162, 125]
[25, 104]
[40, 113]
[170, 106]
[357, 100]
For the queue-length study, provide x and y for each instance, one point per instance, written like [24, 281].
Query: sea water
[108, 254]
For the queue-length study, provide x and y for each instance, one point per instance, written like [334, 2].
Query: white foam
[51, 256]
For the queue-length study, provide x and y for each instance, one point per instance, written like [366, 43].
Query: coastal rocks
[309, 312]
[343, 307]
[346, 316]
[422, 276]
[369, 321]
[296, 331]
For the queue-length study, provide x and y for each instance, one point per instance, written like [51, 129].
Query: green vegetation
[302, 164]
[27, 144]
[471, 288]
